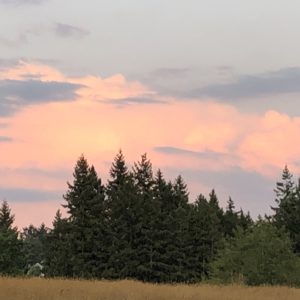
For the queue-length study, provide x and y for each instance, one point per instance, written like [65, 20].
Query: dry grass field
[43, 289]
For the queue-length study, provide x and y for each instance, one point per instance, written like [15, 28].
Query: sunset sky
[209, 89]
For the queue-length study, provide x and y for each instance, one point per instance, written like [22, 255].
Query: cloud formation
[5, 139]
[283, 81]
[66, 31]
[199, 136]
[135, 101]
[15, 94]
[23, 195]
[211, 155]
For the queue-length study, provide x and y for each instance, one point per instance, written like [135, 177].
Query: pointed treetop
[286, 174]
[118, 169]
[143, 174]
[181, 190]
[6, 218]
[213, 199]
[284, 188]
[201, 199]
[230, 205]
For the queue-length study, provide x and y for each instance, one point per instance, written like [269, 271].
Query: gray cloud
[201, 155]
[283, 81]
[249, 190]
[15, 94]
[134, 100]
[163, 73]
[5, 139]
[23, 195]
[180, 81]
[8, 63]
[62, 174]
[23, 2]
[66, 31]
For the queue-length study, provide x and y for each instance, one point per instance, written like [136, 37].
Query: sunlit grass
[44, 289]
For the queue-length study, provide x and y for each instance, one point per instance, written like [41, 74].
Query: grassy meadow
[44, 289]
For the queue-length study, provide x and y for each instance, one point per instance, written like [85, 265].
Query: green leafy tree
[262, 255]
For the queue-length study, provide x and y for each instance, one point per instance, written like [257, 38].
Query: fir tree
[230, 219]
[11, 257]
[85, 204]
[58, 262]
[121, 197]
[146, 213]
[204, 236]
[35, 244]
[288, 207]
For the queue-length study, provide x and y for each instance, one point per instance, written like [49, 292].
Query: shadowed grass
[44, 289]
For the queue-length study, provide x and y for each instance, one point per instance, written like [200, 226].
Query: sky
[208, 89]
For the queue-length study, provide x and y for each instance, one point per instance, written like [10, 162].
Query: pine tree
[85, 204]
[285, 194]
[245, 220]
[121, 197]
[204, 236]
[145, 212]
[11, 257]
[58, 262]
[181, 214]
[230, 219]
[162, 260]
[286, 214]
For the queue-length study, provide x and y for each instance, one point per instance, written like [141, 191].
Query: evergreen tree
[58, 258]
[85, 203]
[205, 236]
[35, 244]
[121, 197]
[145, 212]
[11, 258]
[230, 219]
[180, 221]
[285, 194]
[286, 214]
[245, 220]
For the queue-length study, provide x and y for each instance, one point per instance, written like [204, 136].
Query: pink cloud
[51, 136]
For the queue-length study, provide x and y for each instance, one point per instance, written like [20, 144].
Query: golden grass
[43, 289]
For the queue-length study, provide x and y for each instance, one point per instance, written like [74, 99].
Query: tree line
[141, 226]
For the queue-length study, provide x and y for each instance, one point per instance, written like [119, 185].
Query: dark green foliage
[11, 258]
[262, 255]
[232, 220]
[85, 205]
[204, 236]
[146, 213]
[123, 217]
[58, 257]
[287, 212]
[143, 227]
[35, 245]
